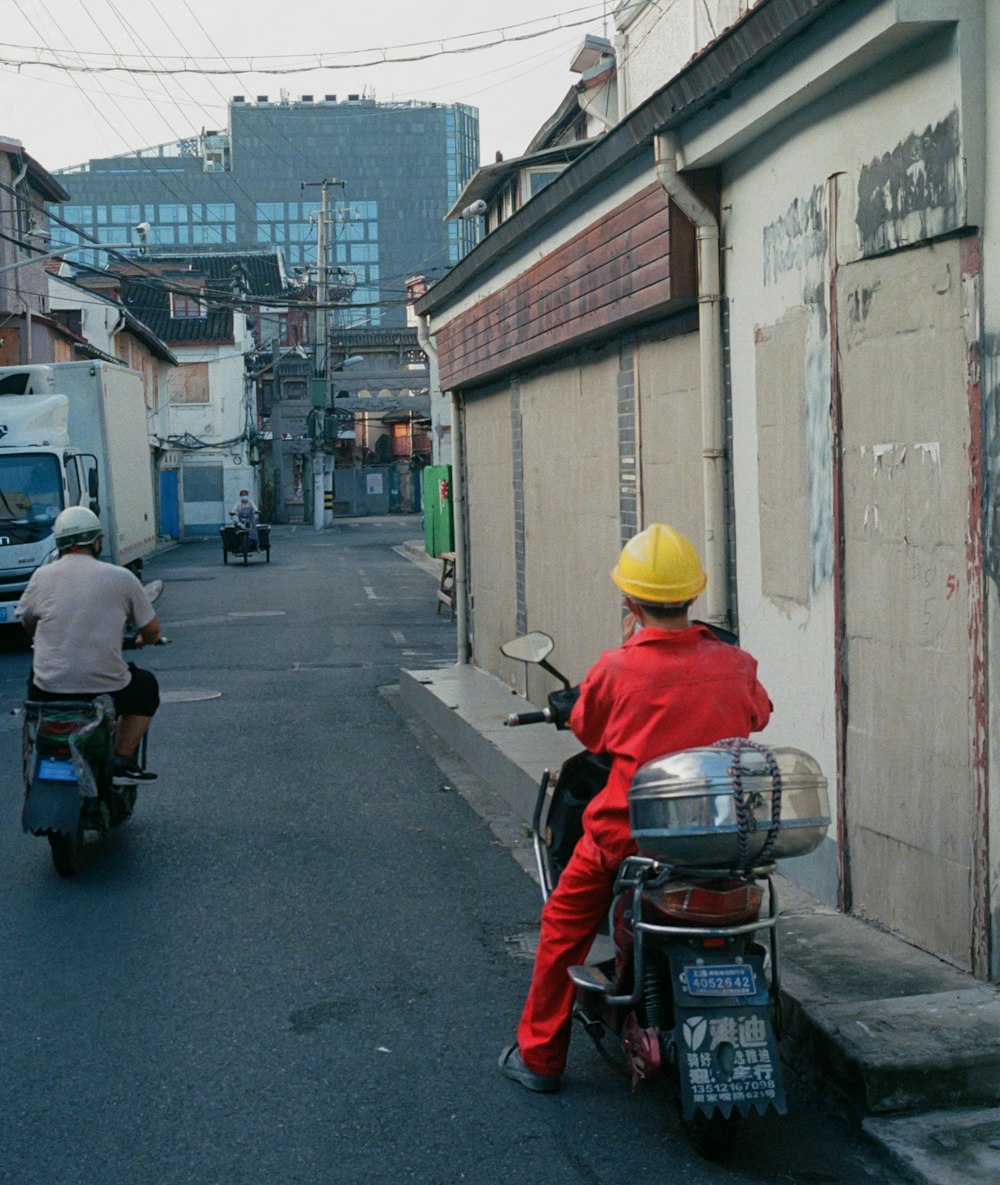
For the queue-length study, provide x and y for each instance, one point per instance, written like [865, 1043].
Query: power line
[232, 183]
[301, 63]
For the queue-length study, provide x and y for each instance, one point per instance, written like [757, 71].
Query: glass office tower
[392, 171]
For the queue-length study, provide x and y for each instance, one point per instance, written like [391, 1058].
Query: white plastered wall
[655, 42]
[790, 205]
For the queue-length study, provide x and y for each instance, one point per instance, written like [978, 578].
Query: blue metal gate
[170, 512]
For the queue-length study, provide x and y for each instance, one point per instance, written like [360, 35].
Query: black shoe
[513, 1067]
[127, 773]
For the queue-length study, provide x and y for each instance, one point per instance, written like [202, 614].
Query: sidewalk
[905, 1042]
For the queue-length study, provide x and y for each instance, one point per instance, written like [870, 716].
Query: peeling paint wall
[913, 192]
[797, 245]
[991, 448]
[800, 205]
[991, 407]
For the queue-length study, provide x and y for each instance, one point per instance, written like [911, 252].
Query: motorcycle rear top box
[683, 806]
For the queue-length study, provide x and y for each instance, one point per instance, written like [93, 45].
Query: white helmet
[76, 526]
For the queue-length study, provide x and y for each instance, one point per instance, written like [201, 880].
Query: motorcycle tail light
[715, 903]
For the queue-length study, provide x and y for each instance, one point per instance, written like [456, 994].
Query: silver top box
[683, 807]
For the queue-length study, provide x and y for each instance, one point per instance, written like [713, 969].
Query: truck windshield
[30, 496]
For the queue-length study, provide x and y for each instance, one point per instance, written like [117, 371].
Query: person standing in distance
[76, 609]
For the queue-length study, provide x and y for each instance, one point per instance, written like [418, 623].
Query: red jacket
[664, 690]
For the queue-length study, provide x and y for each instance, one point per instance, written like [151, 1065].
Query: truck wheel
[66, 851]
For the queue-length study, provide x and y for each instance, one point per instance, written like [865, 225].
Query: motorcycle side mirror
[534, 647]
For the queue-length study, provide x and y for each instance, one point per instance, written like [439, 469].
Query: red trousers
[571, 919]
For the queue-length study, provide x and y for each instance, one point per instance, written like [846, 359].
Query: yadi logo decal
[695, 1029]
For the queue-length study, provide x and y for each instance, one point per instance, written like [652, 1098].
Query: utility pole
[321, 379]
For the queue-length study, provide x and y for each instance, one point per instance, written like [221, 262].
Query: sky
[66, 116]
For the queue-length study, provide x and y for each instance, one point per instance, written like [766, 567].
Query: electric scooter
[689, 994]
[68, 753]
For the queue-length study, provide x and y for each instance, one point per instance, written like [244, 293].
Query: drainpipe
[458, 508]
[26, 350]
[429, 347]
[713, 441]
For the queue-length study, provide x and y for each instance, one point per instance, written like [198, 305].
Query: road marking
[398, 637]
[259, 613]
[370, 593]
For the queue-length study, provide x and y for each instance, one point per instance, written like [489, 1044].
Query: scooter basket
[229, 538]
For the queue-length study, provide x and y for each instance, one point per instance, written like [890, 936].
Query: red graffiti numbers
[951, 584]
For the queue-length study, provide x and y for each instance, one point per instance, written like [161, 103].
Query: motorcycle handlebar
[517, 718]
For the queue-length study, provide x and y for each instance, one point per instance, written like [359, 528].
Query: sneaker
[127, 773]
[512, 1066]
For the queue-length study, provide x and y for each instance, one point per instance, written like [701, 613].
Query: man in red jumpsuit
[671, 686]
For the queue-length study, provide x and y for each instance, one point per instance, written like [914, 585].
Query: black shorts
[139, 697]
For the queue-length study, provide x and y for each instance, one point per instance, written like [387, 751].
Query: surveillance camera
[475, 209]
[142, 230]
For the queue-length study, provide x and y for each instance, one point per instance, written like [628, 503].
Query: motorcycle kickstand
[596, 1031]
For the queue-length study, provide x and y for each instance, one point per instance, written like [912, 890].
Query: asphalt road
[298, 961]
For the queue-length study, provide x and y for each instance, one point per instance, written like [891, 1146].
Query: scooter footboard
[724, 1039]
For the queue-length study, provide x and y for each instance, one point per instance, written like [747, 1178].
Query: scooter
[689, 992]
[68, 752]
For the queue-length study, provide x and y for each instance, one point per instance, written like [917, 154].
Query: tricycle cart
[236, 541]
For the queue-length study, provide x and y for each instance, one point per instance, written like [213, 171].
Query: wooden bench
[446, 587]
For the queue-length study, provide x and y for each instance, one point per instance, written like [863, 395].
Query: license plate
[720, 979]
[56, 771]
[6, 614]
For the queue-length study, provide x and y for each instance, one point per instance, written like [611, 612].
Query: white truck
[71, 434]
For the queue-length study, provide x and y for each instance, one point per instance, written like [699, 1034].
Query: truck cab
[71, 434]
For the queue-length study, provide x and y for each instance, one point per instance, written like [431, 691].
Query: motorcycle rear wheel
[713, 1137]
[66, 851]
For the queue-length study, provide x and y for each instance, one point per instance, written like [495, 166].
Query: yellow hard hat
[661, 566]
